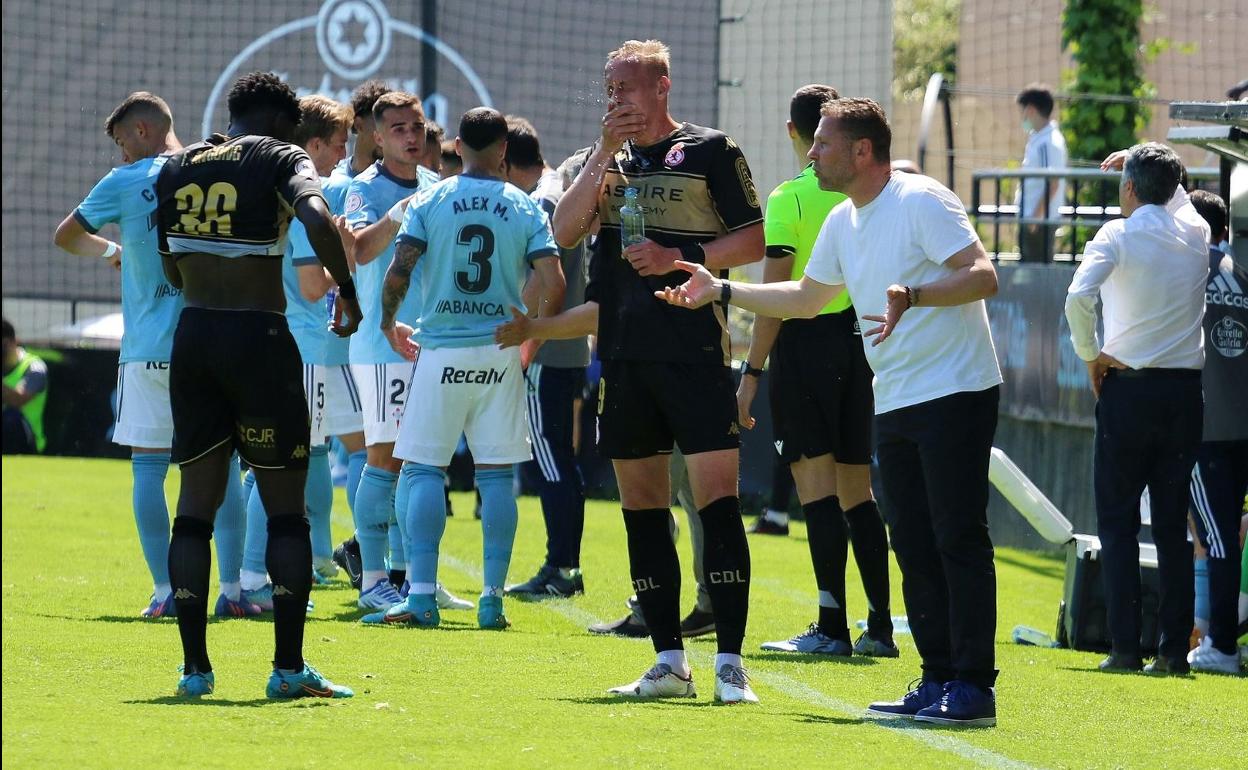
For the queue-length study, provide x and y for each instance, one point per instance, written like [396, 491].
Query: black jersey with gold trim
[232, 196]
[695, 186]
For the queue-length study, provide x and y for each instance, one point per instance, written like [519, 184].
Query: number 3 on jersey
[481, 240]
[206, 213]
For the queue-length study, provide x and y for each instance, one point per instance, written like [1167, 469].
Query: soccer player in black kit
[235, 382]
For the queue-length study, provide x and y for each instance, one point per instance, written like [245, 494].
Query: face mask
[1026, 126]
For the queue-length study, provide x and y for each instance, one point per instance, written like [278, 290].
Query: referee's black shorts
[644, 407]
[821, 399]
[235, 378]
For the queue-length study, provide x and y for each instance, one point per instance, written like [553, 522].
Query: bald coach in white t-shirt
[902, 242]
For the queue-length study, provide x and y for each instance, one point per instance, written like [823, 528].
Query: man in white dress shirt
[1149, 270]
[1039, 198]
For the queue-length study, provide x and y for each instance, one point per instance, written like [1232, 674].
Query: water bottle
[632, 220]
[1032, 636]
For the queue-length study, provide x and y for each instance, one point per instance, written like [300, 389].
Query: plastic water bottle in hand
[632, 220]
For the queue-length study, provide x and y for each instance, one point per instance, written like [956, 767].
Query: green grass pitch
[87, 683]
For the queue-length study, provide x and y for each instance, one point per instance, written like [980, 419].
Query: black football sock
[655, 569]
[397, 576]
[726, 561]
[190, 560]
[870, 543]
[288, 558]
[829, 548]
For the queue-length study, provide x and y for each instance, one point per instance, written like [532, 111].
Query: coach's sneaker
[262, 597]
[347, 556]
[196, 685]
[732, 685]
[962, 703]
[812, 641]
[381, 596]
[415, 610]
[765, 526]
[490, 613]
[307, 683]
[1164, 665]
[161, 608]
[697, 623]
[228, 608]
[659, 682]
[875, 648]
[449, 601]
[1206, 657]
[922, 693]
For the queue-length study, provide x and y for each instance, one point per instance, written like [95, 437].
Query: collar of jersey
[410, 183]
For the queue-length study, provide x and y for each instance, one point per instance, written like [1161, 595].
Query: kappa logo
[281, 590]
[300, 452]
[675, 156]
[184, 593]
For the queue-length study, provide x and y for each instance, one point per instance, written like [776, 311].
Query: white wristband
[112, 249]
[395, 214]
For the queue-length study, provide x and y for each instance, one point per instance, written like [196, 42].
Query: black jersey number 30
[481, 240]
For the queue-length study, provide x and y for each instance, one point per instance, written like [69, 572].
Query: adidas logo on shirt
[1223, 289]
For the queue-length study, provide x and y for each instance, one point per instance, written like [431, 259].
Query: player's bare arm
[314, 282]
[762, 339]
[323, 236]
[576, 322]
[577, 210]
[544, 300]
[72, 237]
[393, 290]
[785, 299]
[370, 241]
[732, 250]
[972, 278]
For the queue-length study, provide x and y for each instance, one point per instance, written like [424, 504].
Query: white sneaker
[1206, 657]
[659, 682]
[732, 685]
[449, 601]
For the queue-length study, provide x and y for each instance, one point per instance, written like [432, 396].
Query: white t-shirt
[904, 236]
[1046, 148]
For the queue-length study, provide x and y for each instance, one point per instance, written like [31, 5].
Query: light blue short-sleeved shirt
[371, 194]
[478, 235]
[307, 320]
[150, 306]
[334, 187]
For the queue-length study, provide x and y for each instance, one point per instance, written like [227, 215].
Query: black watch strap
[752, 371]
[725, 293]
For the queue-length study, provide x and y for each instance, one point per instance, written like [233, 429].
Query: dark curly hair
[263, 92]
[366, 95]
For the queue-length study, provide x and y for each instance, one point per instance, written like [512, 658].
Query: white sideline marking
[932, 737]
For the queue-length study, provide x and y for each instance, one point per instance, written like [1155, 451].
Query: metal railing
[1079, 209]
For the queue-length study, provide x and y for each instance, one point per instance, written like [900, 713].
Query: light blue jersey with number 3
[477, 235]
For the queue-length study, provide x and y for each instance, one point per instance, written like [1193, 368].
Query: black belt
[1157, 373]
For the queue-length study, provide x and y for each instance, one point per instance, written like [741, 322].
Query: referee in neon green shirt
[822, 406]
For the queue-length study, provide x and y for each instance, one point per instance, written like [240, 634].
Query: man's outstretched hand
[517, 331]
[701, 288]
[898, 302]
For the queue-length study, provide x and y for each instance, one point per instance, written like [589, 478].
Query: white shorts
[477, 392]
[383, 392]
[343, 413]
[314, 394]
[144, 419]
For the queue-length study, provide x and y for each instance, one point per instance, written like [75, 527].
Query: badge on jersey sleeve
[307, 170]
[355, 202]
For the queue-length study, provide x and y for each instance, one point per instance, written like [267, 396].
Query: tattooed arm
[393, 290]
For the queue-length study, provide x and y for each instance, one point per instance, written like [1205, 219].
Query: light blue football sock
[318, 495]
[355, 468]
[230, 525]
[374, 507]
[398, 524]
[1202, 595]
[498, 523]
[426, 521]
[151, 512]
[257, 533]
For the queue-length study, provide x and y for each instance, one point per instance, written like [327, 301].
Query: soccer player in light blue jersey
[375, 202]
[479, 235]
[322, 133]
[142, 126]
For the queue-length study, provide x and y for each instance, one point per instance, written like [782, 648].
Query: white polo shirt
[1149, 271]
[1046, 148]
[904, 236]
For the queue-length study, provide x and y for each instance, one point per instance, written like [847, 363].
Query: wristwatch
[725, 293]
[751, 371]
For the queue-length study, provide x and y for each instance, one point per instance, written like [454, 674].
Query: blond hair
[653, 53]
[321, 117]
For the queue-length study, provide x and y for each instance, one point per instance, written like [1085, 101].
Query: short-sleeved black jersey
[232, 196]
[694, 186]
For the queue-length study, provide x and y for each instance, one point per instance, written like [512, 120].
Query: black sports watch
[751, 371]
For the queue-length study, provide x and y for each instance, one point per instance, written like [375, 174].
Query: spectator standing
[1039, 198]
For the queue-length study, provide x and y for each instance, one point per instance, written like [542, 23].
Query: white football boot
[732, 685]
[659, 682]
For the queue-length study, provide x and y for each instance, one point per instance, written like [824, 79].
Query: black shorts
[235, 378]
[644, 407]
[821, 399]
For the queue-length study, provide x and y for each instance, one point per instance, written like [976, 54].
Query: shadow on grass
[173, 700]
[1054, 568]
[265, 618]
[614, 700]
[824, 719]
[798, 657]
[1124, 672]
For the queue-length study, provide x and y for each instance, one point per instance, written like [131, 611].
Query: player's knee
[192, 527]
[419, 472]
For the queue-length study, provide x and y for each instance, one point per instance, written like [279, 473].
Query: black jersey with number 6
[232, 196]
